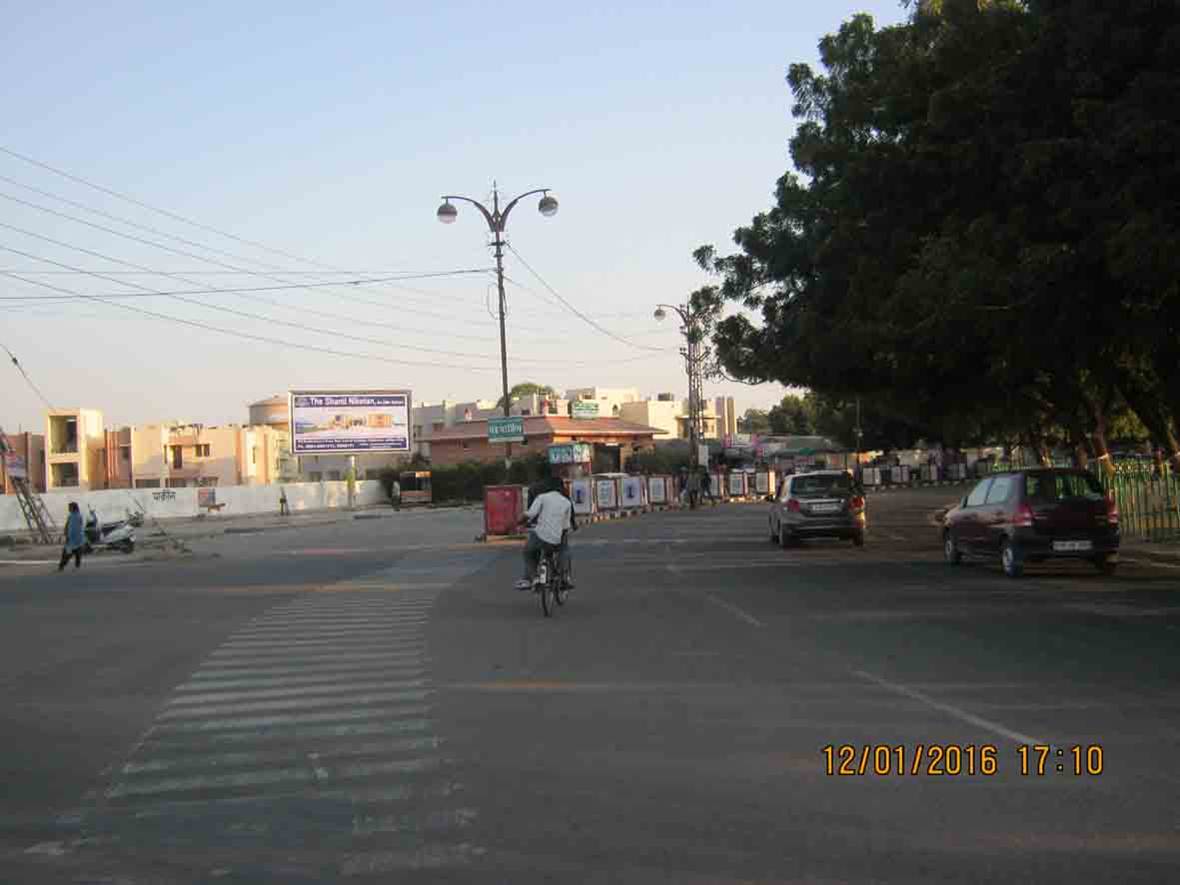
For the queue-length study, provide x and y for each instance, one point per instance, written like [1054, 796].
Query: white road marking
[397, 726]
[729, 606]
[197, 711]
[286, 754]
[241, 659]
[256, 722]
[286, 676]
[339, 690]
[950, 710]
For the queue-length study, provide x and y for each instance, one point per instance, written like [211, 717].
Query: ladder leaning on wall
[40, 523]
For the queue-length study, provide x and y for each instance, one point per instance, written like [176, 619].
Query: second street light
[497, 218]
[694, 359]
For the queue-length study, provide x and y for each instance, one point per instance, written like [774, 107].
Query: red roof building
[468, 441]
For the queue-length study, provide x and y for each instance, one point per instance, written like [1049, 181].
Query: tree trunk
[1036, 441]
[1098, 432]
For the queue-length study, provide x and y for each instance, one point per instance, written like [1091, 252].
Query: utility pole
[693, 361]
[496, 220]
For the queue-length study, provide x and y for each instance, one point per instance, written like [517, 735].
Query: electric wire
[577, 312]
[20, 368]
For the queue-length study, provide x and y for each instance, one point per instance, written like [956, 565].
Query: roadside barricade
[633, 489]
[582, 495]
[606, 493]
[503, 508]
[737, 484]
[659, 490]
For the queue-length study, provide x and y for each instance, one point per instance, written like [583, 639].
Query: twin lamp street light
[496, 219]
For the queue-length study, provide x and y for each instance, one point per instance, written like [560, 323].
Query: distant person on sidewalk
[706, 487]
[75, 538]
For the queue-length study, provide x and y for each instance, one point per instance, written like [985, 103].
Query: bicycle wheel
[545, 591]
[561, 592]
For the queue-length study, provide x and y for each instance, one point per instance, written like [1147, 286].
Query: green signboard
[506, 430]
[585, 408]
[570, 453]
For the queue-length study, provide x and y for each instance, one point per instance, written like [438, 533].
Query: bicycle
[549, 582]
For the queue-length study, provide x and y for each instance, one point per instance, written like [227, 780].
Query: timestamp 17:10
[1037, 759]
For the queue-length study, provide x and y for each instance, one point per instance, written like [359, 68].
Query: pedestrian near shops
[75, 538]
[706, 486]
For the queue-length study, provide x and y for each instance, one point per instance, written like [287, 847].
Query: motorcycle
[108, 536]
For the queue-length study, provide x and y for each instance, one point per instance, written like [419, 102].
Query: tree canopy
[982, 237]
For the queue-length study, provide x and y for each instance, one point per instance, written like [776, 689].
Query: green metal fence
[1149, 503]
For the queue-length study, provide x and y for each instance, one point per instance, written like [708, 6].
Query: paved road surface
[371, 701]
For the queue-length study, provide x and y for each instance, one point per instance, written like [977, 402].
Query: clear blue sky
[330, 132]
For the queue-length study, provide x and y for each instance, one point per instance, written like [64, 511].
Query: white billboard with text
[350, 422]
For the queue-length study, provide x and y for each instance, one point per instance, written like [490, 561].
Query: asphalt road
[371, 700]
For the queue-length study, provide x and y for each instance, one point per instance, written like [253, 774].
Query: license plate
[825, 508]
[1072, 546]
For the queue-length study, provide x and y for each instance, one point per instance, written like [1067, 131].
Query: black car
[1034, 515]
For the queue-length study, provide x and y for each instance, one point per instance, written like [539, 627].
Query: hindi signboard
[506, 430]
[584, 408]
[350, 422]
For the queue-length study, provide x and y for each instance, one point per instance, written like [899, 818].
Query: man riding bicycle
[552, 517]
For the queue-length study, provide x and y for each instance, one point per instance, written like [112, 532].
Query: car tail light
[1023, 516]
[856, 502]
[793, 505]
[1112, 509]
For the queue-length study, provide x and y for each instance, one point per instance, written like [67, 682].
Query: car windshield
[820, 485]
[1063, 487]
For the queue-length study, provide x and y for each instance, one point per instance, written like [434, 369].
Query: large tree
[982, 234]
[523, 389]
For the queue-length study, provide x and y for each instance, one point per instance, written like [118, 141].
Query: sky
[301, 150]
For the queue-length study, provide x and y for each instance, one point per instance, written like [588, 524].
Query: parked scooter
[109, 536]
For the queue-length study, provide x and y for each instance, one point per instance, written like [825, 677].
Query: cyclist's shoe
[524, 584]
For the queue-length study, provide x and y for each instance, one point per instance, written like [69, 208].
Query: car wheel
[950, 549]
[1010, 560]
[784, 537]
[1106, 564]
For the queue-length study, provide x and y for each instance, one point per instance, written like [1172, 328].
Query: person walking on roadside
[75, 538]
[706, 487]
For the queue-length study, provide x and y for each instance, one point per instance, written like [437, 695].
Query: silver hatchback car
[824, 503]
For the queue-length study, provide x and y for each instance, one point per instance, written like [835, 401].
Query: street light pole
[496, 220]
[692, 367]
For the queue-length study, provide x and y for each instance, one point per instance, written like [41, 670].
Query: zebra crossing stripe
[413, 692]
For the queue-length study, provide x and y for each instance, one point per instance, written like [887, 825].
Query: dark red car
[1027, 516]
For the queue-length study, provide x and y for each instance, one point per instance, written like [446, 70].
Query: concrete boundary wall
[113, 504]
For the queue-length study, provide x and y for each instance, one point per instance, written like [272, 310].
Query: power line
[133, 224]
[229, 267]
[166, 213]
[153, 293]
[262, 317]
[25, 375]
[173, 215]
[251, 336]
[577, 312]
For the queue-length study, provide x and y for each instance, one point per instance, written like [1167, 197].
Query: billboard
[349, 422]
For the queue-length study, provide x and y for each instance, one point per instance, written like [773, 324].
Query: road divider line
[950, 709]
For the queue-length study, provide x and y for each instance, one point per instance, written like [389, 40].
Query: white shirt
[555, 514]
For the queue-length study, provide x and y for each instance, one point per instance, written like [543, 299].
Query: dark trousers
[66, 553]
[533, 549]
